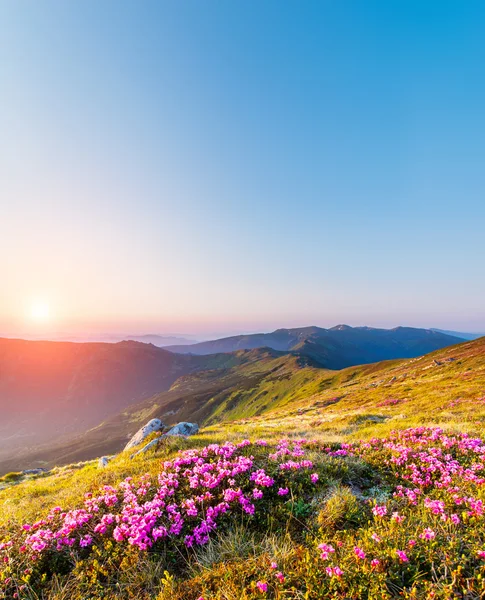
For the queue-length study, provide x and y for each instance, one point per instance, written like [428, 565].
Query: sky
[211, 166]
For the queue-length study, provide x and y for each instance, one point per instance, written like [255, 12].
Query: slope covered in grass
[342, 509]
[195, 397]
[445, 388]
[401, 516]
[51, 389]
[269, 391]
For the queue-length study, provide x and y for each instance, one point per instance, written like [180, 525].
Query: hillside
[275, 393]
[200, 396]
[445, 388]
[52, 391]
[292, 500]
[336, 348]
[48, 389]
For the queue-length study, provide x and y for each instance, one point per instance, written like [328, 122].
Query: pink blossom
[397, 517]
[402, 556]
[326, 550]
[428, 534]
[379, 511]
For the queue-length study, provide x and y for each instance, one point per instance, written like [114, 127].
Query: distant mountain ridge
[335, 348]
[460, 334]
[160, 340]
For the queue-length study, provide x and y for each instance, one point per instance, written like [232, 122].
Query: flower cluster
[189, 498]
[428, 510]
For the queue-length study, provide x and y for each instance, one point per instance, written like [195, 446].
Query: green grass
[275, 398]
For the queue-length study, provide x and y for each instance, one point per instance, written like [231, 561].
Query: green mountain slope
[275, 393]
[344, 507]
[443, 388]
[245, 381]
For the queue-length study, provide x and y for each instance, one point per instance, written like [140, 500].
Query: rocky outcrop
[143, 433]
[183, 428]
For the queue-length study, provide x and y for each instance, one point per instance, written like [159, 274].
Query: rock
[151, 444]
[183, 428]
[103, 462]
[34, 471]
[144, 432]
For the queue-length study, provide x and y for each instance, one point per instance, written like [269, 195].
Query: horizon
[194, 168]
[189, 338]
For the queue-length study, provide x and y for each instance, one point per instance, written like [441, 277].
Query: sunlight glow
[39, 311]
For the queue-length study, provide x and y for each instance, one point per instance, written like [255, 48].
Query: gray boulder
[144, 432]
[34, 471]
[183, 428]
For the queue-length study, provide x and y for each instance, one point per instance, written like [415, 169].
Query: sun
[39, 311]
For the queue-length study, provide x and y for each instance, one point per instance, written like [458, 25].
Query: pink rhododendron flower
[428, 534]
[379, 511]
[326, 550]
[397, 517]
[402, 556]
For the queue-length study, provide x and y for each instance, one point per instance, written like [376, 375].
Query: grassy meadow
[314, 539]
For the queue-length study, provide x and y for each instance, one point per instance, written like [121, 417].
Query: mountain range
[335, 348]
[64, 401]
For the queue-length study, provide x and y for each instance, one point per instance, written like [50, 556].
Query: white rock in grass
[183, 428]
[144, 432]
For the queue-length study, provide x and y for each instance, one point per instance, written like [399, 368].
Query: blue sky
[235, 166]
